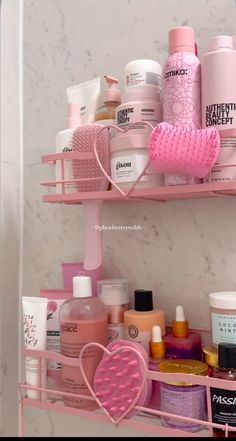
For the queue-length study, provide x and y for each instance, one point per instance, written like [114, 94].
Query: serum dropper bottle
[157, 351]
[181, 343]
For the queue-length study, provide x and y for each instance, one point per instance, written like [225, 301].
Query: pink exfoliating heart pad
[120, 380]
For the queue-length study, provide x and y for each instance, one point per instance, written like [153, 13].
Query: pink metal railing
[152, 416]
[157, 193]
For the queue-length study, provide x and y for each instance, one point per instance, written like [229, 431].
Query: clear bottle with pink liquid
[83, 319]
[182, 89]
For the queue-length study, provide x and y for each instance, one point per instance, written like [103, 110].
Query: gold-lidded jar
[183, 398]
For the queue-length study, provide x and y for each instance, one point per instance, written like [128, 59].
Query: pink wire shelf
[147, 419]
[162, 194]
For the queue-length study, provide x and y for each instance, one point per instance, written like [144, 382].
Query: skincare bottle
[112, 98]
[138, 322]
[63, 145]
[223, 401]
[83, 319]
[157, 352]
[182, 89]
[181, 343]
[115, 295]
[219, 102]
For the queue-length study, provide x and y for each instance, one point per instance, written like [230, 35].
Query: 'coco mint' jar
[223, 317]
[183, 398]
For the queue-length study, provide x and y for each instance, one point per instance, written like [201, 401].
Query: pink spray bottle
[182, 89]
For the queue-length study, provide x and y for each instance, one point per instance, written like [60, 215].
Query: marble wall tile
[185, 249]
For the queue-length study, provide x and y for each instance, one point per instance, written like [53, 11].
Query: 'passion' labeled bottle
[223, 401]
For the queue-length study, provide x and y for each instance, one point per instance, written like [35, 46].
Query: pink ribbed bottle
[83, 319]
[182, 88]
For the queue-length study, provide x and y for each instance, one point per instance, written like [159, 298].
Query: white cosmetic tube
[35, 337]
[87, 96]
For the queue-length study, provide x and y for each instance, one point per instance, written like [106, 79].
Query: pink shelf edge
[162, 194]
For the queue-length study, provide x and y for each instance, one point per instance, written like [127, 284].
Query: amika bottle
[219, 102]
[83, 319]
[182, 89]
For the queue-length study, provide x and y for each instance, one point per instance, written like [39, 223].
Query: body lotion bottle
[83, 319]
[182, 89]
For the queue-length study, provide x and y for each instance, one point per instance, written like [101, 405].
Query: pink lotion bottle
[181, 343]
[182, 89]
[83, 319]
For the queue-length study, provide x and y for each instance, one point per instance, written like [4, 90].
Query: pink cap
[73, 116]
[112, 93]
[220, 42]
[181, 39]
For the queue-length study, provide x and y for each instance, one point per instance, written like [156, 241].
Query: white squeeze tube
[34, 311]
[87, 96]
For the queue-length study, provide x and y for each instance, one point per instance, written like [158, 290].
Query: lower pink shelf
[146, 420]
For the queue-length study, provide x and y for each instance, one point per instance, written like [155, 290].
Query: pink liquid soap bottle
[181, 343]
[157, 351]
[83, 319]
[182, 89]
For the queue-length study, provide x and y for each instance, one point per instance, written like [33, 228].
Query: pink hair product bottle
[83, 319]
[219, 102]
[182, 89]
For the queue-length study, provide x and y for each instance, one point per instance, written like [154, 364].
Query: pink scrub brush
[120, 380]
[183, 150]
[87, 168]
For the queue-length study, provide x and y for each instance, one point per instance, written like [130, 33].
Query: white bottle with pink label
[219, 102]
[182, 89]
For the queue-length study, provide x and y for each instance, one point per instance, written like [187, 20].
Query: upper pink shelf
[162, 194]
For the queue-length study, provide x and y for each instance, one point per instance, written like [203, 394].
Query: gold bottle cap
[183, 366]
[157, 350]
[210, 356]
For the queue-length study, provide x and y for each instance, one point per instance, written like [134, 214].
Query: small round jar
[210, 357]
[183, 399]
[115, 295]
[139, 103]
[129, 157]
[143, 71]
[223, 317]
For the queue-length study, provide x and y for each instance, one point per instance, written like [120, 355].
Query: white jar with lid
[143, 71]
[129, 157]
[115, 295]
[139, 103]
[223, 317]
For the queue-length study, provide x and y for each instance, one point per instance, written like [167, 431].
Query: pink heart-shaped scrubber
[120, 381]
